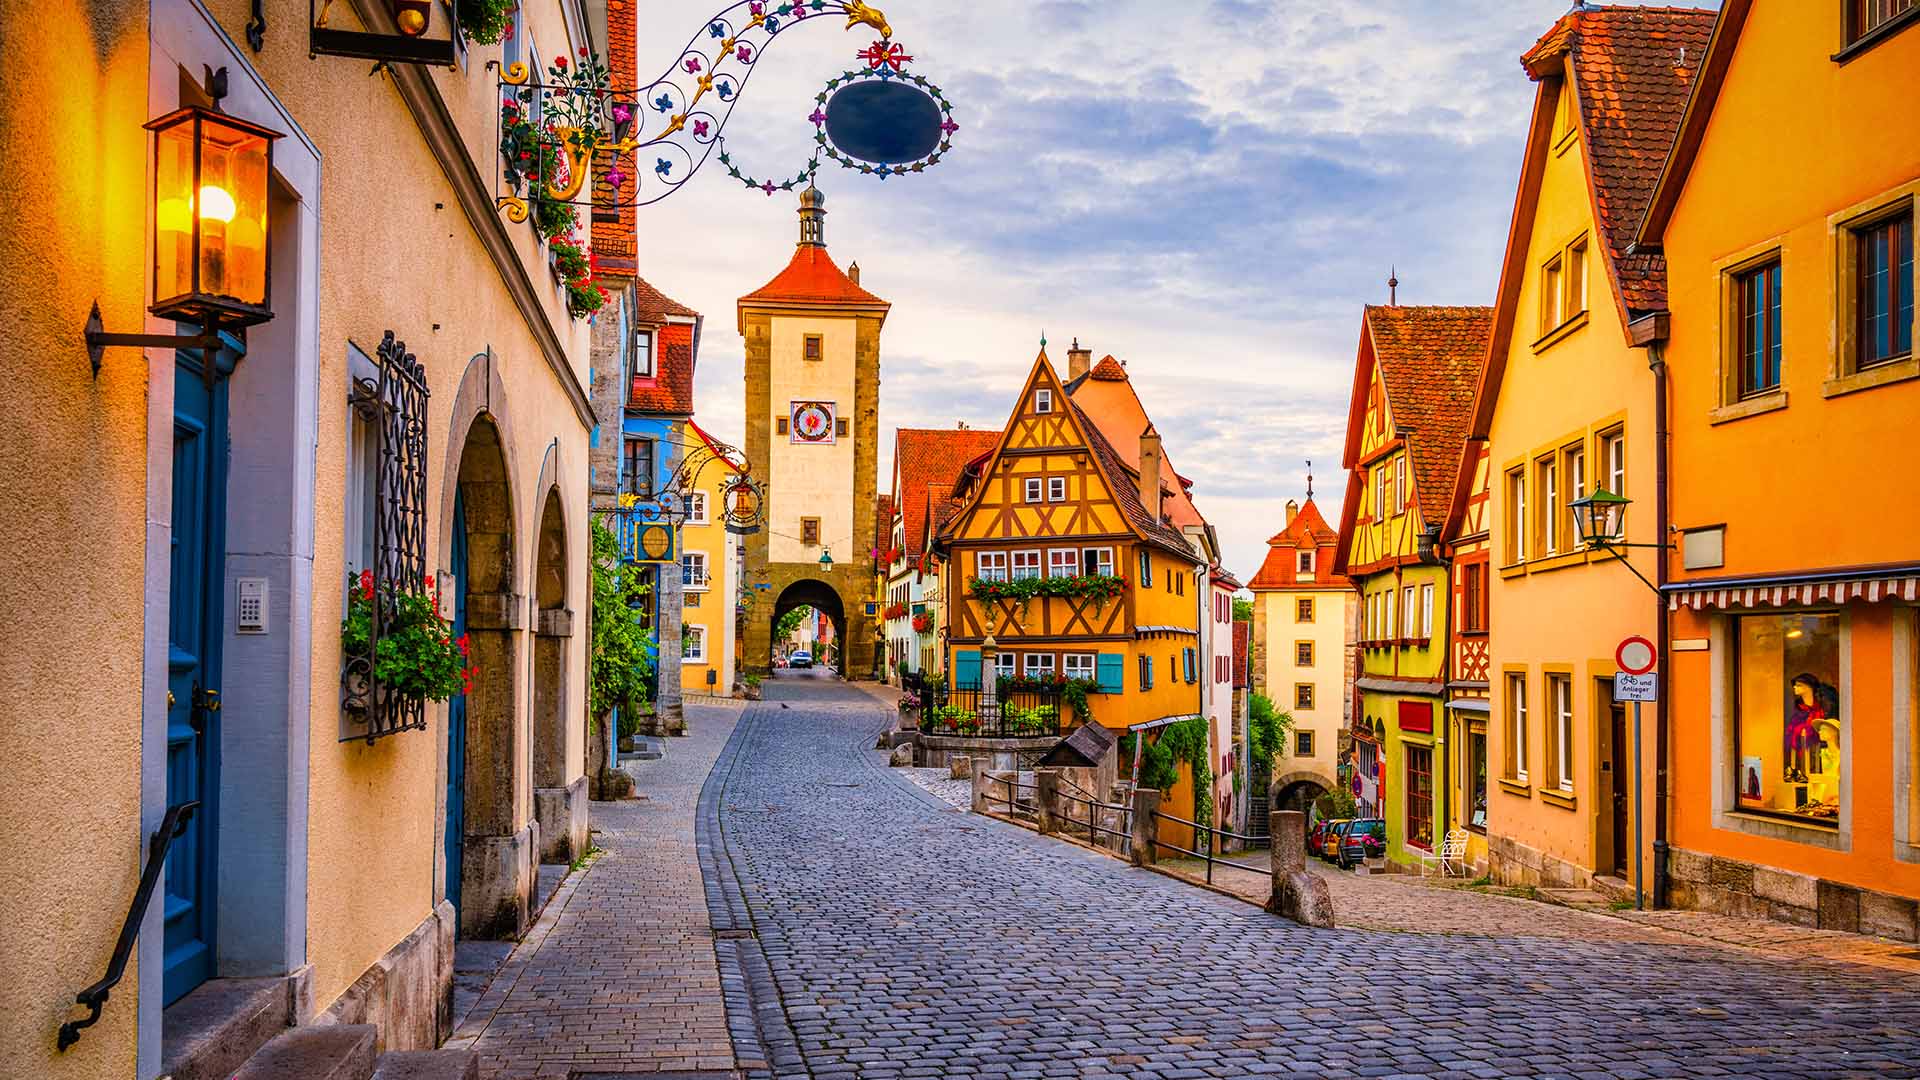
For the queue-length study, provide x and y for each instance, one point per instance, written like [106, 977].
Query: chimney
[1293, 511]
[1150, 460]
[853, 272]
[1078, 360]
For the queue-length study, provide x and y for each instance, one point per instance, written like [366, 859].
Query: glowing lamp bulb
[216, 204]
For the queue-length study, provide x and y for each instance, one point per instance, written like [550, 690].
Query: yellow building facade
[228, 506]
[1567, 408]
[1413, 389]
[709, 573]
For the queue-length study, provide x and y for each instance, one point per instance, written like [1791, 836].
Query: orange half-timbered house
[1467, 539]
[1055, 502]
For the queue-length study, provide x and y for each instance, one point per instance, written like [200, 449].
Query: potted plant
[416, 654]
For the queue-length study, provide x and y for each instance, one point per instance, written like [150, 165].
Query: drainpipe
[1657, 361]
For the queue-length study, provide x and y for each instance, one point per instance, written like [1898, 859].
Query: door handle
[204, 703]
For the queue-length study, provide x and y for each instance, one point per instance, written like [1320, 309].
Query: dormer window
[1043, 401]
[643, 354]
[1304, 564]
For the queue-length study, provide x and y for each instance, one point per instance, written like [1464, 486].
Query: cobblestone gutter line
[763, 1038]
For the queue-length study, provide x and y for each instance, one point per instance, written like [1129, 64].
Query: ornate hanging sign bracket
[569, 139]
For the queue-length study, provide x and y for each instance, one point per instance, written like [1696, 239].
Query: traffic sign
[1630, 687]
[1636, 656]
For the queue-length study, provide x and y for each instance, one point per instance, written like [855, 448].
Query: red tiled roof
[1224, 577]
[650, 305]
[1126, 492]
[1308, 529]
[1633, 87]
[812, 277]
[882, 529]
[923, 457]
[670, 389]
[1429, 360]
[1108, 370]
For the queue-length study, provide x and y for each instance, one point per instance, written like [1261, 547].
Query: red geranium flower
[366, 584]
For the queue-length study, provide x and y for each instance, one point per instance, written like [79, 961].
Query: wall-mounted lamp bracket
[99, 340]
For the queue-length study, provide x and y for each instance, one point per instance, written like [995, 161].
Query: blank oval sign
[887, 123]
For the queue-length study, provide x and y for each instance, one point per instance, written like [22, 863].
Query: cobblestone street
[903, 939]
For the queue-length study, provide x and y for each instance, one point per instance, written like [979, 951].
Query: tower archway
[821, 597]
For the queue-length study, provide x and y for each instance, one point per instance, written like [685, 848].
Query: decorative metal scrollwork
[646, 525]
[396, 404]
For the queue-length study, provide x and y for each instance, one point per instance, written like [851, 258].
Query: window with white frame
[693, 644]
[1043, 400]
[990, 566]
[693, 569]
[1399, 483]
[1516, 726]
[1026, 564]
[1005, 665]
[1097, 560]
[1039, 664]
[1033, 489]
[1078, 665]
[1056, 489]
[363, 461]
[1407, 613]
[1613, 461]
[697, 508]
[1063, 562]
[1303, 563]
[1560, 734]
[1426, 612]
[643, 367]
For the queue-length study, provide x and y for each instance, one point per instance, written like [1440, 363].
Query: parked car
[1363, 839]
[1329, 846]
[801, 659]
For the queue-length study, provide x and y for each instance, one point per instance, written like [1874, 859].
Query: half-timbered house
[1060, 562]
[1467, 538]
[1413, 388]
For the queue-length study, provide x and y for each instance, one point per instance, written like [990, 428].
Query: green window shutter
[1112, 671]
[966, 669]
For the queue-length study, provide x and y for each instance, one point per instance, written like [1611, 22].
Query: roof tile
[1430, 360]
[812, 276]
[928, 457]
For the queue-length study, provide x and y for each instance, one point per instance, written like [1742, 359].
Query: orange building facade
[1794, 385]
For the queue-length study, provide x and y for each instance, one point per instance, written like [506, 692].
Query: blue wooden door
[456, 828]
[196, 586]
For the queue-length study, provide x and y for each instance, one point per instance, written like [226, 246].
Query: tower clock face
[813, 421]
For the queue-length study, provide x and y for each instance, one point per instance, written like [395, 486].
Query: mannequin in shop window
[1815, 717]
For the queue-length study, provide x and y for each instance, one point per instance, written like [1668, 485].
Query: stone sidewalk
[619, 973]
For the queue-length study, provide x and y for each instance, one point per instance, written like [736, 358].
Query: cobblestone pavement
[619, 974]
[893, 937]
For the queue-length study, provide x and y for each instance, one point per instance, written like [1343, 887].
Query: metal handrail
[1094, 827]
[1211, 832]
[95, 996]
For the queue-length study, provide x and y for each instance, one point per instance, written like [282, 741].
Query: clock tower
[812, 339]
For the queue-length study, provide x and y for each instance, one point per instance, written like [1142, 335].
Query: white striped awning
[1902, 586]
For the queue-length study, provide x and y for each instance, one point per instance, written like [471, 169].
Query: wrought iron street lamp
[212, 252]
[1600, 520]
[826, 558]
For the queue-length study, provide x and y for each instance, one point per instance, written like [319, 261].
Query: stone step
[329, 1052]
[208, 1033]
[428, 1065]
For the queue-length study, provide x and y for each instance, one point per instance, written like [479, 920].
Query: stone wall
[1731, 887]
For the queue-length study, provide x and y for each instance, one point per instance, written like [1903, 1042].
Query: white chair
[1451, 860]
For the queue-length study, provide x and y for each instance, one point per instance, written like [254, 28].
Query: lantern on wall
[1600, 519]
[210, 245]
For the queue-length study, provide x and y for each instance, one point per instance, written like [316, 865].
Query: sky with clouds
[1209, 191]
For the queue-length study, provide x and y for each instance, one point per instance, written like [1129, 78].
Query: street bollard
[959, 767]
[1297, 894]
[1046, 798]
[982, 778]
[1146, 802]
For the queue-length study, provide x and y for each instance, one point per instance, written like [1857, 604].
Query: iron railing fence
[1028, 713]
[1205, 836]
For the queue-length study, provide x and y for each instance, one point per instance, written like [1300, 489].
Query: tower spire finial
[813, 217]
[1309, 479]
[1393, 286]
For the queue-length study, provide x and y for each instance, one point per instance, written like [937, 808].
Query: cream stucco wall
[73, 479]
[812, 479]
[1328, 674]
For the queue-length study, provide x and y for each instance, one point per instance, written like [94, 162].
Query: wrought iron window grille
[396, 402]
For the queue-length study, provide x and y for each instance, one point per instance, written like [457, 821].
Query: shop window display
[1790, 728]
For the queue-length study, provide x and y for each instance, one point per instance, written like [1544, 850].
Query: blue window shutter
[1112, 672]
[966, 669]
[1149, 672]
[1186, 663]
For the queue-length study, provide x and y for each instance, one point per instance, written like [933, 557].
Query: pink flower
[621, 113]
[692, 65]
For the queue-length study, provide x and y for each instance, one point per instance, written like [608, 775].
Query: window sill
[1556, 797]
[1783, 828]
[1878, 375]
[1753, 406]
[1557, 562]
[1560, 333]
[1514, 570]
[1518, 787]
[1877, 35]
